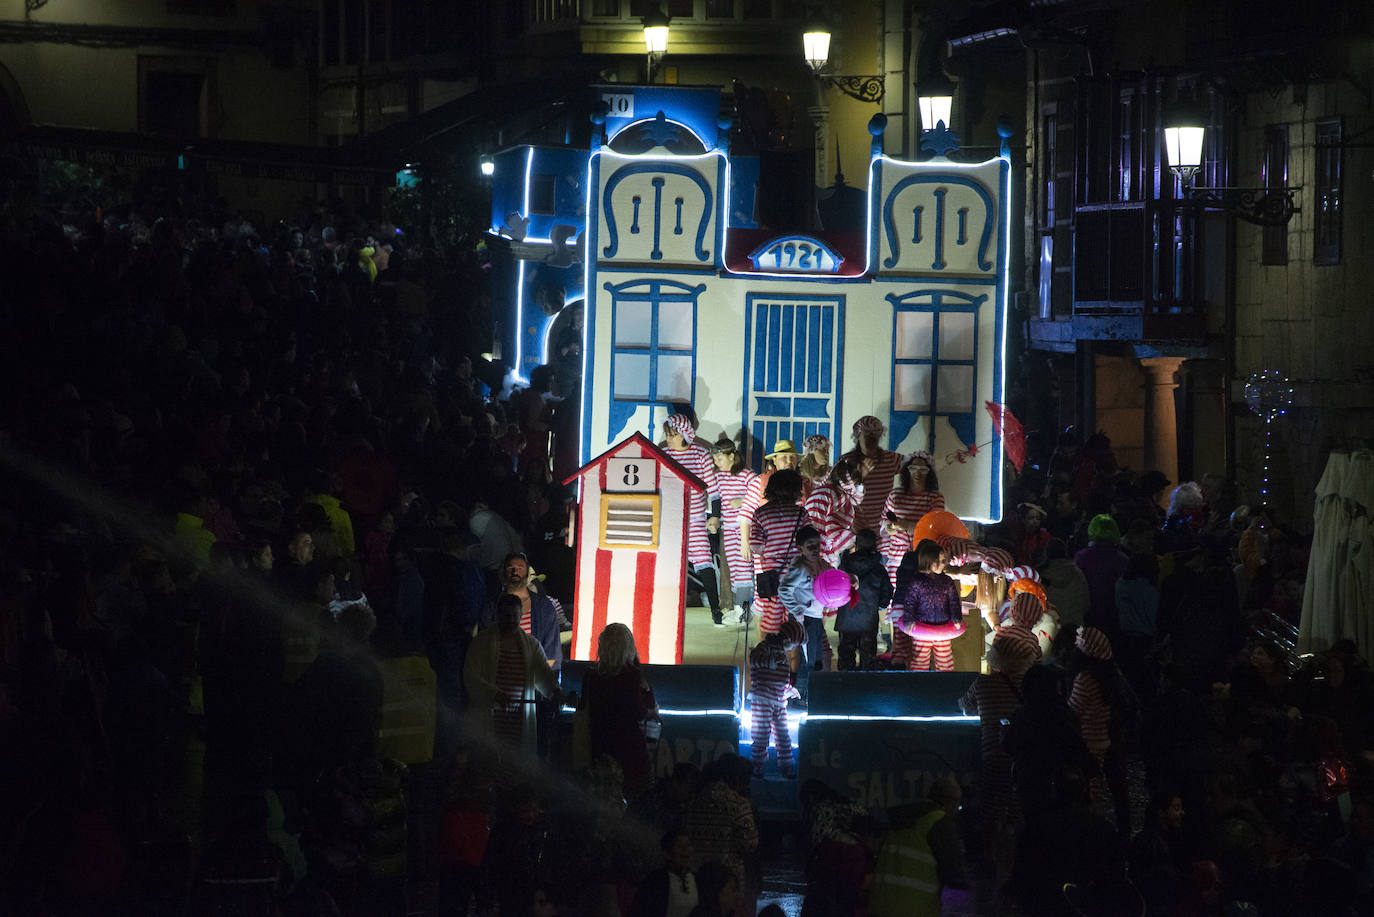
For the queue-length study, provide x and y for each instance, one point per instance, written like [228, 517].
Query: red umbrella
[1009, 428]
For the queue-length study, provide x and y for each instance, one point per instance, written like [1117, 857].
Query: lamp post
[655, 23]
[816, 44]
[1184, 131]
[935, 99]
[816, 48]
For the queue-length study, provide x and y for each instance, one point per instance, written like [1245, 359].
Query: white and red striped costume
[993, 560]
[768, 678]
[1094, 713]
[1088, 698]
[831, 511]
[995, 698]
[922, 651]
[877, 486]
[753, 495]
[507, 719]
[735, 487]
[907, 507]
[775, 526]
[696, 458]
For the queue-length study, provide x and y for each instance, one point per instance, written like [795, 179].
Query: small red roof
[691, 480]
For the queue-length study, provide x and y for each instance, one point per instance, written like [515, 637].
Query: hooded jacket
[874, 592]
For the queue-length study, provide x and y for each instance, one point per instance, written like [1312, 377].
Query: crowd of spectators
[1174, 672]
[259, 488]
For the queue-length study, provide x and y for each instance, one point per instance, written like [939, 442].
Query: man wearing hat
[878, 466]
[680, 435]
[784, 455]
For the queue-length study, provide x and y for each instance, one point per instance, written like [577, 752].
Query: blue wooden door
[793, 369]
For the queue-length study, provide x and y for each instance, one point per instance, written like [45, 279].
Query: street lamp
[1184, 131]
[816, 44]
[816, 48]
[655, 23]
[487, 165]
[935, 98]
[1183, 134]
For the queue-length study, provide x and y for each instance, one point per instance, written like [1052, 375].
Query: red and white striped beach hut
[632, 549]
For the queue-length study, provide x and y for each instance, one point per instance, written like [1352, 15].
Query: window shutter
[629, 521]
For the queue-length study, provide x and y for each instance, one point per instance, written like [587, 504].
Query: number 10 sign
[631, 475]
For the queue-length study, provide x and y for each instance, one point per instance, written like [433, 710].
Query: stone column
[820, 117]
[1208, 429]
[1161, 417]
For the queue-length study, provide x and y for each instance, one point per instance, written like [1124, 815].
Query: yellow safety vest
[906, 882]
[408, 710]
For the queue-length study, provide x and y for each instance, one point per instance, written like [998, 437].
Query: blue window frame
[934, 361]
[653, 345]
[792, 369]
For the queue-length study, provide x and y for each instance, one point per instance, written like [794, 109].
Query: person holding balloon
[797, 590]
[930, 609]
[867, 592]
[917, 493]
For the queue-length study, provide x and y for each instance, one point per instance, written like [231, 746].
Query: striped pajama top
[877, 485]
[907, 507]
[508, 717]
[1094, 713]
[735, 487]
[696, 458]
[769, 674]
[832, 514]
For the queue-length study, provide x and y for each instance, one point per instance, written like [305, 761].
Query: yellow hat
[782, 447]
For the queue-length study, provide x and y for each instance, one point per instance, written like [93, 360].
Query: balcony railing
[1136, 273]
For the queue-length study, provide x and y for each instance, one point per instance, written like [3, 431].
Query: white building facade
[778, 335]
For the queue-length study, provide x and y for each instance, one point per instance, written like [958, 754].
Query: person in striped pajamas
[831, 505]
[680, 436]
[783, 457]
[917, 493]
[995, 699]
[772, 540]
[772, 682]
[932, 599]
[1096, 684]
[734, 481]
[878, 468]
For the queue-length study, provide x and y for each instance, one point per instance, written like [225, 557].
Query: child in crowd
[931, 599]
[797, 592]
[857, 622]
[773, 681]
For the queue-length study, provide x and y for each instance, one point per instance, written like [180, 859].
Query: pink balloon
[832, 589]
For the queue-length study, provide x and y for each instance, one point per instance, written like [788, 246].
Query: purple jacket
[1102, 565]
[932, 598]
